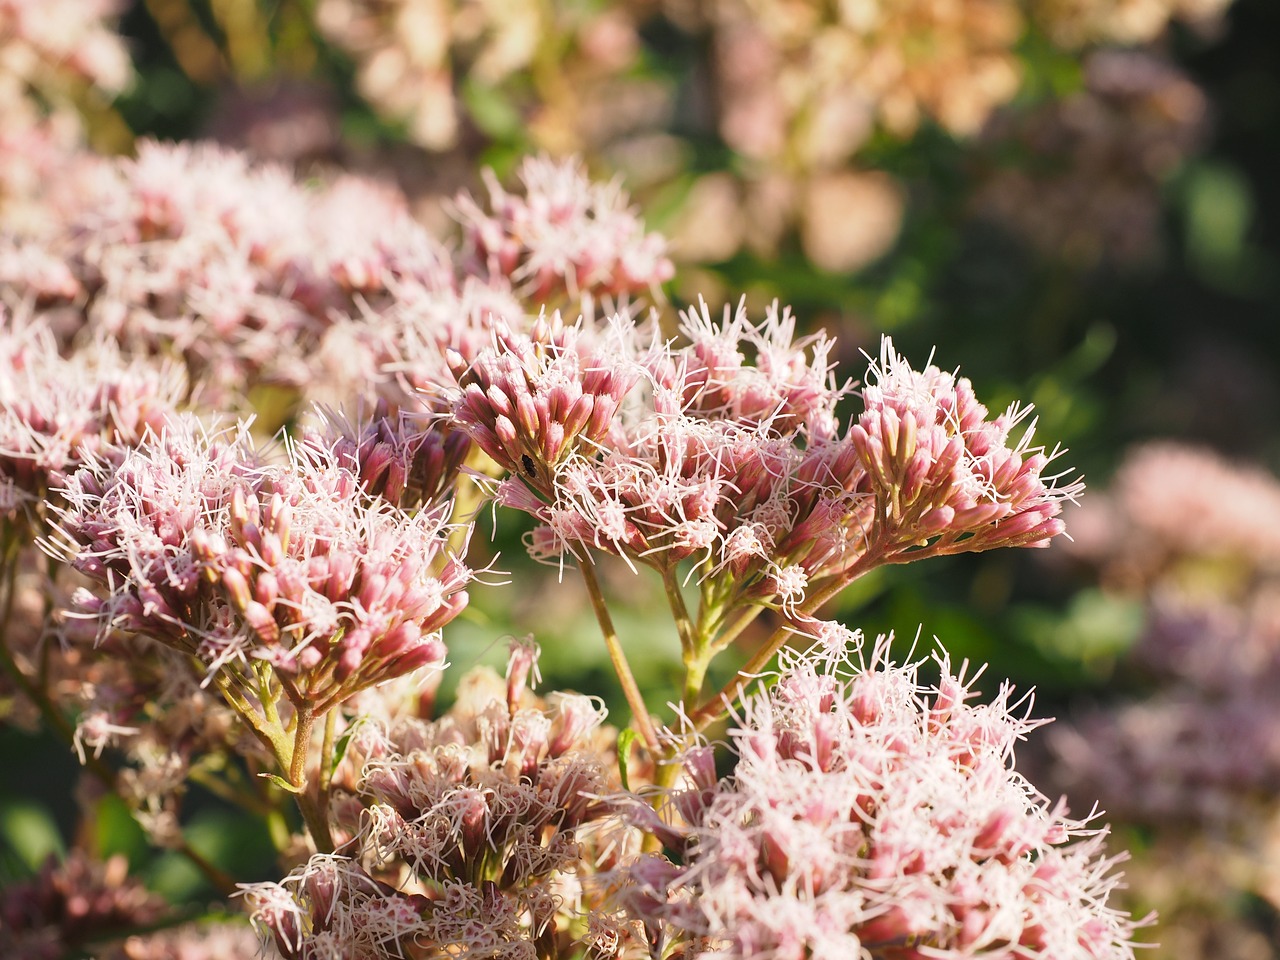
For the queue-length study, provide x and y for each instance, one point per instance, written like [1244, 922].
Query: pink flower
[199, 545]
[565, 235]
[942, 472]
[869, 814]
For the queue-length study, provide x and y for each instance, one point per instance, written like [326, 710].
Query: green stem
[695, 675]
[639, 712]
[714, 708]
[272, 736]
[311, 800]
[326, 750]
[734, 630]
[680, 610]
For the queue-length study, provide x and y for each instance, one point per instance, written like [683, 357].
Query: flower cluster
[57, 413]
[472, 833]
[727, 452]
[218, 555]
[266, 621]
[395, 457]
[868, 815]
[251, 279]
[938, 466]
[1170, 504]
[564, 234]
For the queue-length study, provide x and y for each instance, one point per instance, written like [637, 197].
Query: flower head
[200, 545]
[939, 468]
[870, 815]
[565, 234]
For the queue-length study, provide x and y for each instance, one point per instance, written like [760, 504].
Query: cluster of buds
[869, 815]
[204, 548]
[693, 453]
[565, 235]
[533, 400]
[938, 468]
[396, 458]
[493, 813]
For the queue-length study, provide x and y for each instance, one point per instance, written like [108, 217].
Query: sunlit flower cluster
[266, 620]
[871, 815]
[200, 545]
[725, 450]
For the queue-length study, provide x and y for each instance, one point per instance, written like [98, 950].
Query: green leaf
[280, 782]
[30, 832]
[340, 750]
[625, 739]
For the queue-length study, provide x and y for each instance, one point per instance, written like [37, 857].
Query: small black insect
[526, 461]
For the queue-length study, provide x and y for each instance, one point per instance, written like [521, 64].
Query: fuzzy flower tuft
[870, 815]
[940, 469]
[196, 543]
[563, 235]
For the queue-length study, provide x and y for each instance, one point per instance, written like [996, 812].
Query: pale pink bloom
[940, 469]
[367, 242]
[57, 413]
[564, 235]
[728, 454]
[198, 545]
[870, 814]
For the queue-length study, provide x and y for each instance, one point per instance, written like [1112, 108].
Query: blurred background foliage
[1073, 201]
